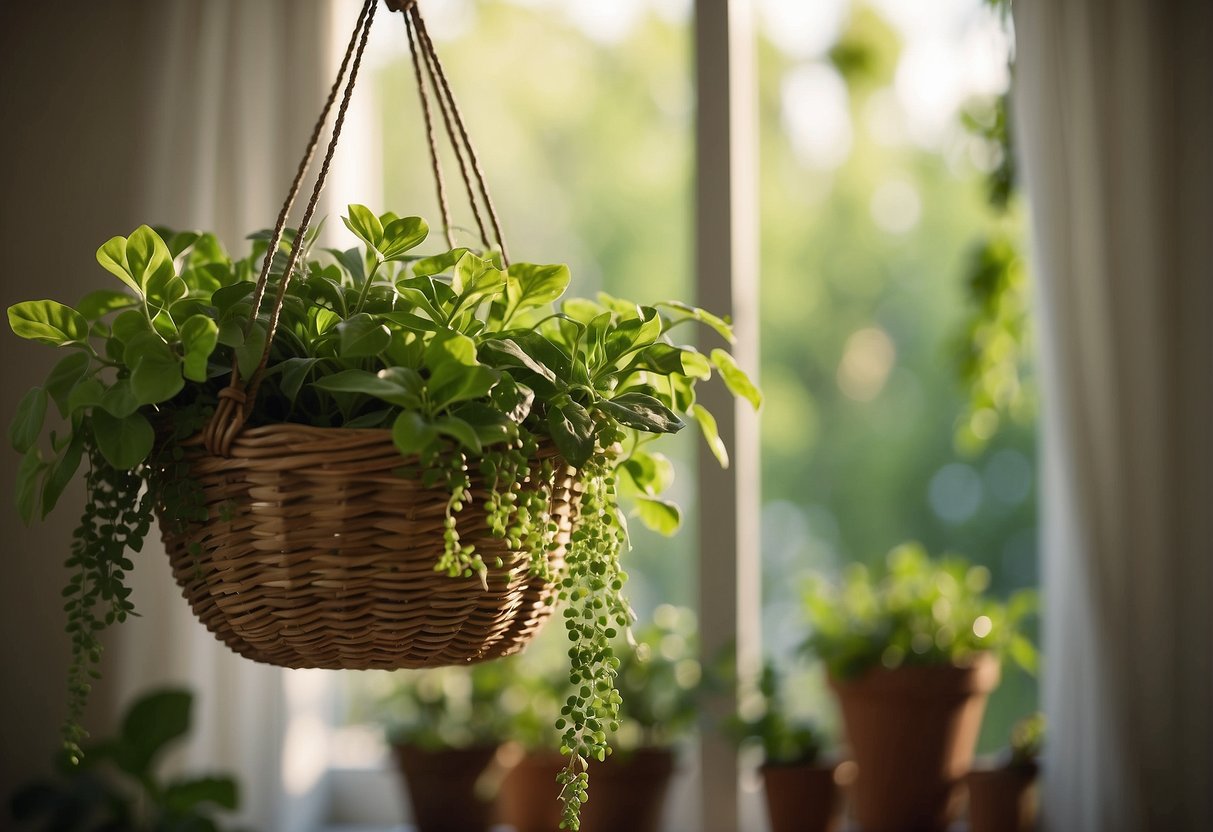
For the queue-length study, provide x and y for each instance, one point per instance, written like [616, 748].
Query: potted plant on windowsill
[911, 660]
[446, 727]
[1003, 798]
[659, 682]
[800, 786]
[404, 462]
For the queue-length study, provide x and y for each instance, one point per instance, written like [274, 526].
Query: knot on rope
[236, 395]
[400, 5]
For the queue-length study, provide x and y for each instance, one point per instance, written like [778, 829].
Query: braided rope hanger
[236, 400]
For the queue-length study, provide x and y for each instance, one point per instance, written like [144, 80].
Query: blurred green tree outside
[584, 126]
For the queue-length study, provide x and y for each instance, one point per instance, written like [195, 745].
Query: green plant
[923, 611]
[765, 719]
[449, 707]
[118, 788]
[470, 365]
[660, 680]
[1027, 740]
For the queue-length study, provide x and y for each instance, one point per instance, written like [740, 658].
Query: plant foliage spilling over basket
[364, 457]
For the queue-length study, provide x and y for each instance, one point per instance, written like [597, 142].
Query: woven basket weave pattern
[318, 553]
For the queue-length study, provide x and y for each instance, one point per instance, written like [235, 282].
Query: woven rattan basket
[317, 552]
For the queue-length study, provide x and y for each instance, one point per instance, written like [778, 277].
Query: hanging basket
[317, 552]
[311, 547]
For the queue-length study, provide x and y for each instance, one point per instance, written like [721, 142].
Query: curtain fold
[1115, 124]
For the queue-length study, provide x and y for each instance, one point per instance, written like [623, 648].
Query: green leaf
[48, 322]
[642, 412]
[123, 442]
[659, 515]
[735, 378]
[412, 433]
[572, 430]
[460, 431]
[531, 285]
[185, 796]
[294, 372]
[112, 257]
[721, 326]
[455, 374]
[97, 304]
[248, 354]
[711, 435]
[26, 426]
[395, 385]
[1023, 653]
[65, 376]
[28, 484]
[505, 352]
[88, 393]
[148, 261]
[362, 337]
[119, 400]
[401, 235]
[365, 225]
[439, 263]
[61, 472]
[155, 369]
[199, 337]
[489, 423]
[130, 325]
[647, 474]
[474, 280]
[150, 725]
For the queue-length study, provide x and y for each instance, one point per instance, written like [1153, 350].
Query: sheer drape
[1115, 118]
[234, 88]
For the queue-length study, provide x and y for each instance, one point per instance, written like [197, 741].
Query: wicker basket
[318, 553]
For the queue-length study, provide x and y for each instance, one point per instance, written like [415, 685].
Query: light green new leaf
[412, 433]
[707, 424]
[150, 263]
[48, 322]
[199, 337]
[473, 281]
[534, 285]
[365, 225]
[719, 324]
[735, 378]
[362, 337]
[439, 263]
[123, 442]
[455, 374]
[646, 475]
[26, 427]
[659, 515]
[401, 235]
[65, 376]
[112, 257]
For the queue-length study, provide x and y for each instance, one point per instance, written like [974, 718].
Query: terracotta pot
[1002, 799]
[627, 792]
[528, 799]
[802, 798]
[442, 787]
[912, 731]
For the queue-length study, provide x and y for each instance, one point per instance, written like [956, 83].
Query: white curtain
[1115, 125]
[235, 88]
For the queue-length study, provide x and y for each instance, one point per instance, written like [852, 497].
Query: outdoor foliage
[765, 719]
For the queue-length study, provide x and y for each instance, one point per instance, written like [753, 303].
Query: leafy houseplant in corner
[446, 726]
[659, 682]
[912, 660]
[423, 461]
[118, 787]
[1003, 798]
[801, 790]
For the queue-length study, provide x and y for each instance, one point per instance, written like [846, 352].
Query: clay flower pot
[627, 791]
[802, 797]
[912, 731]
[442, 787]
[1002, 799]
